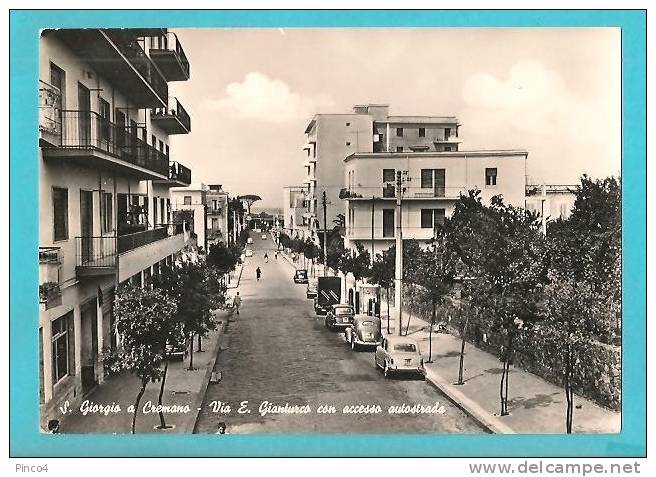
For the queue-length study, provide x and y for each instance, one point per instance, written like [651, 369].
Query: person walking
[258, 273]
[275, 255]
[266, 258]
[237, 302]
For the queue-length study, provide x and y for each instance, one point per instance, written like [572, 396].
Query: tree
[189, 285]
[335, 253]
[357, 262]
[310, 251]
[249, 199]
[382, 274]
[223, 258]
[143, 320]
[436, 270]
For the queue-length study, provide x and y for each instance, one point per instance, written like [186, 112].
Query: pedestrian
[221, 429]
[275, 254]
[237, 302]
[258, 272]
[266, 258]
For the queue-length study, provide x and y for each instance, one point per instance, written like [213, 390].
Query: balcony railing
[168, 52]
[179, 173]
[175, 113]
[50, 103]
[50, 260]
[137, 57]
[389, 192]
[87, 130]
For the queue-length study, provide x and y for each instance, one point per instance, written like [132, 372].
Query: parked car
[301, 276]
[365, 331]
[249, 253]
[399, 354]
[263, 236]
[250, 240]
[311, 290]
[339, 317]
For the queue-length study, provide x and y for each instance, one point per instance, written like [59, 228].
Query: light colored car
[263, 236]
[311, 290]
[365, 331]
[249, 253]
[250, 240]
[399, 354]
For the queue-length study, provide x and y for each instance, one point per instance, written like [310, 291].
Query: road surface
[278, 351]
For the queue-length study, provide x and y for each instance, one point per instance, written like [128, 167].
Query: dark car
[301, 276]
[339, 317]
[365, 331]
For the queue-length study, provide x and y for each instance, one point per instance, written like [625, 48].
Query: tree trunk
[412, 301]
[430, 334]
[503, 388]
[388, 309]
[200, 347]
[136, 404]
[461, 367]
[568, 391]
[191, 354]
[162, 422]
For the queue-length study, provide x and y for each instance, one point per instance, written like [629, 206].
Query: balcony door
[119, 117]
[86, 225]
[84, 112]
[439, 182]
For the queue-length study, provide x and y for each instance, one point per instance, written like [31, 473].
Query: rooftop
[397, 155]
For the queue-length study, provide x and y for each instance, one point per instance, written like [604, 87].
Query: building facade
[217, 215]
[369, 128]
[190, 202]
[550, 201]
[105, 118]
[433, 182]
[296, 217]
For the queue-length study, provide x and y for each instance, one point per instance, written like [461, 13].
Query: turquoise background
[25, 439]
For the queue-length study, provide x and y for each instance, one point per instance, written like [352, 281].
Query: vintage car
[399, 354]
[301, 276]
[339, 316]
[311, 290]
[249, 252]
[365, 331]
[263, 236]
[250, 240]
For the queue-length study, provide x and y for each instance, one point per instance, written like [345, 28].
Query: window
[60, 213]
[388, 222]
[348, 124]
[447, 133]
[399, 148]
[155, 218]
[491, 176]
[389, 175]
[447, 148]
[399, 132]
[154, 139]
[214, 204]
[187, 200]
[167, 150]
[426, 178]
[348, 143]
[161, 146]
[106, 206]
[215, 223]
[430, 218]
[104, 123]
[422, 132]
[62, 347]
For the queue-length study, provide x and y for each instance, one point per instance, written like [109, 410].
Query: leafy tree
[188, 284]
[249, 199]
[382, 274]
[143, 320]
[310, 251]
[223, 258]
[336, 253]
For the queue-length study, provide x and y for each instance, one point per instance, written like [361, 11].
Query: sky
[553, 92]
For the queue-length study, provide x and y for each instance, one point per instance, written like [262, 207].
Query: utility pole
[373, 202]
[398, 272]
[325, 239]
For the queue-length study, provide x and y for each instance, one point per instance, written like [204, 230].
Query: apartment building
[105, 172]
[217, 215]
[550, 201]
[296, 216]
[369, 128]
[433, 182]
[190, 203]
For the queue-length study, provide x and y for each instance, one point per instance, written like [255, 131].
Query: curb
[198, 402]
[467, 405]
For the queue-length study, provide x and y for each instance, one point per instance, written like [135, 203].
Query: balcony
[173, 119]
[410, 193]
[167, 53]
[447, 139]
[50, 103]
[118, 57]
[94, 141]
[179, 175]
[50, 261]
[97, 256]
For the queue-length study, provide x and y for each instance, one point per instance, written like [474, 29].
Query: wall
[411, 136]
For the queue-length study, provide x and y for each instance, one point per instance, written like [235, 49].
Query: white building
[104, 204]
[435, 181]
[296, 217]
[191, 202]
[550, 201]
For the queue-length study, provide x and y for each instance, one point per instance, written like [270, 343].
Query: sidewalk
[536, 406]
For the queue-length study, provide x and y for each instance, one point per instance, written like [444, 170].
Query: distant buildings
[105, 116]
[550, 201]
[368, 129]
[296, 217]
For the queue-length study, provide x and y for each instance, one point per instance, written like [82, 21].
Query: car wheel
[386, 370]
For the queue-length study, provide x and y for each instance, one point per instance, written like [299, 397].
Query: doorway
[84, 118]
[89, 349]
[86, 226]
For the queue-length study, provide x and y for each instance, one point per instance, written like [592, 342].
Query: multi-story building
[369, 128]
[104, 203]
[190, 203]
[296, 218]
[433, 182]
[217, 215]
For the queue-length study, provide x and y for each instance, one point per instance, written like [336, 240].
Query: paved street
[278, 351]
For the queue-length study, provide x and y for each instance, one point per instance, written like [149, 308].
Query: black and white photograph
[330, 231]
